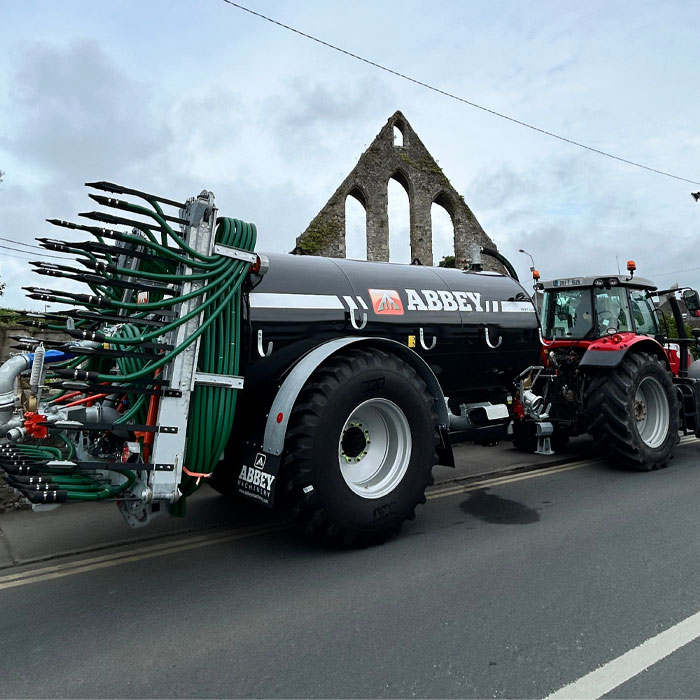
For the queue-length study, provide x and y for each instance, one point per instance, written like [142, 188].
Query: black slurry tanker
[326, 387]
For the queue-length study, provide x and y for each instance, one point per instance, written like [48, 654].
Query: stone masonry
[422, 178]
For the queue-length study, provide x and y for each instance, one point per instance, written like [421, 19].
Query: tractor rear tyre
[360, 449]
[633, 412]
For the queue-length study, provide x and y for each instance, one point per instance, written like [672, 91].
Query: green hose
[217, 302]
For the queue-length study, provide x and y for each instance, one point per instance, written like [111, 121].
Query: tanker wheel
[634, 413]
[360, 449]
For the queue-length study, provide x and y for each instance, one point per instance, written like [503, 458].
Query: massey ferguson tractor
[610, 370]
[328, 388]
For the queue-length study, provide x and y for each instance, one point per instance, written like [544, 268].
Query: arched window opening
[399, 220]
[443, 232]
[398, 135]
[355, 226]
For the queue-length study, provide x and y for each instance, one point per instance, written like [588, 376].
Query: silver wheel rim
[651, 412]
[374, 448]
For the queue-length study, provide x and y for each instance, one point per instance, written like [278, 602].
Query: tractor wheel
[360, 449]
[633, 412]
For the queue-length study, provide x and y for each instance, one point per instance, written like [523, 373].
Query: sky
[177, 96]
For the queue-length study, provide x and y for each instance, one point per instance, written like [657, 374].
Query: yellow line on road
[108, 560]
[104, 561]
[508, 479]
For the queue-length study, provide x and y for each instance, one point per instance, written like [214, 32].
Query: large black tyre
[225, 482]
[360, 449]
[633, 412]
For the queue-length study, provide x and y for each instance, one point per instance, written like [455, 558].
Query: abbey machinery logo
[386, 302]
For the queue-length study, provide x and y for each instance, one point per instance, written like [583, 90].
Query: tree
[668, 326]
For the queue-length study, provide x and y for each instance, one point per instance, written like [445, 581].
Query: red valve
[32, 425]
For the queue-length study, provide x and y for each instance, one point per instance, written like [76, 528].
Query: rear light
[260, 266]
[617, 338]
[518, 409]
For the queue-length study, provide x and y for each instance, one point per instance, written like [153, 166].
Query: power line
[675, 272]
[31, 256]
[28, 245]
[456, 97]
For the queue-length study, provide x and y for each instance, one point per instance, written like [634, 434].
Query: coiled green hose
[218, 301]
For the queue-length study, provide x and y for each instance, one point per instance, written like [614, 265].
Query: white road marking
[618, 671]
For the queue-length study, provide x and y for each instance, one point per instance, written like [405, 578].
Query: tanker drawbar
[326, 387]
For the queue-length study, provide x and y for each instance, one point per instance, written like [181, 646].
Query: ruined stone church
[407, 161]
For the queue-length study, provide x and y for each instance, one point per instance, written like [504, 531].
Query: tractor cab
[586, 308]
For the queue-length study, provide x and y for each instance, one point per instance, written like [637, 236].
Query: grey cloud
[322, 115]
[80, 112]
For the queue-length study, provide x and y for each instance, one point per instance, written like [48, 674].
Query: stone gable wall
[424, 181]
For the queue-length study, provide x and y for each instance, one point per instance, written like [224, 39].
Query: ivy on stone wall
[320, 234]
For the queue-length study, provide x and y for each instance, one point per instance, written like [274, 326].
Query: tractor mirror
[691, 300]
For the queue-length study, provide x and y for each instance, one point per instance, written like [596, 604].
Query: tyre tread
[307, 510]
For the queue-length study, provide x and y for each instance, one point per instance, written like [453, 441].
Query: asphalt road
[515, 587]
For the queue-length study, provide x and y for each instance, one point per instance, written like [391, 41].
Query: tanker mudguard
[276, 428]
[266, 458]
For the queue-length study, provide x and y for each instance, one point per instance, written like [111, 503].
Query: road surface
[519, 585]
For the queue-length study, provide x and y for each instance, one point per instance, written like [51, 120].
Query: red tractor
[609, 370]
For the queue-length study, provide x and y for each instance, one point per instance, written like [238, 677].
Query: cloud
[78, 112]
[320, 120]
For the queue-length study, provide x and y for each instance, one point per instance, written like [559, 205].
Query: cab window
[645, 321]
[567, 314]
[611, 310]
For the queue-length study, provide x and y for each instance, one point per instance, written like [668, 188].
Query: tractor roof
[598, 281]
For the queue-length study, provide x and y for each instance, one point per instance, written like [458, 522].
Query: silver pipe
[9, 372]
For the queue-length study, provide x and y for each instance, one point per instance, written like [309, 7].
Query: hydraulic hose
[141, 354]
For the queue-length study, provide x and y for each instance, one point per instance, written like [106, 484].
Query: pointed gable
[397, 152]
